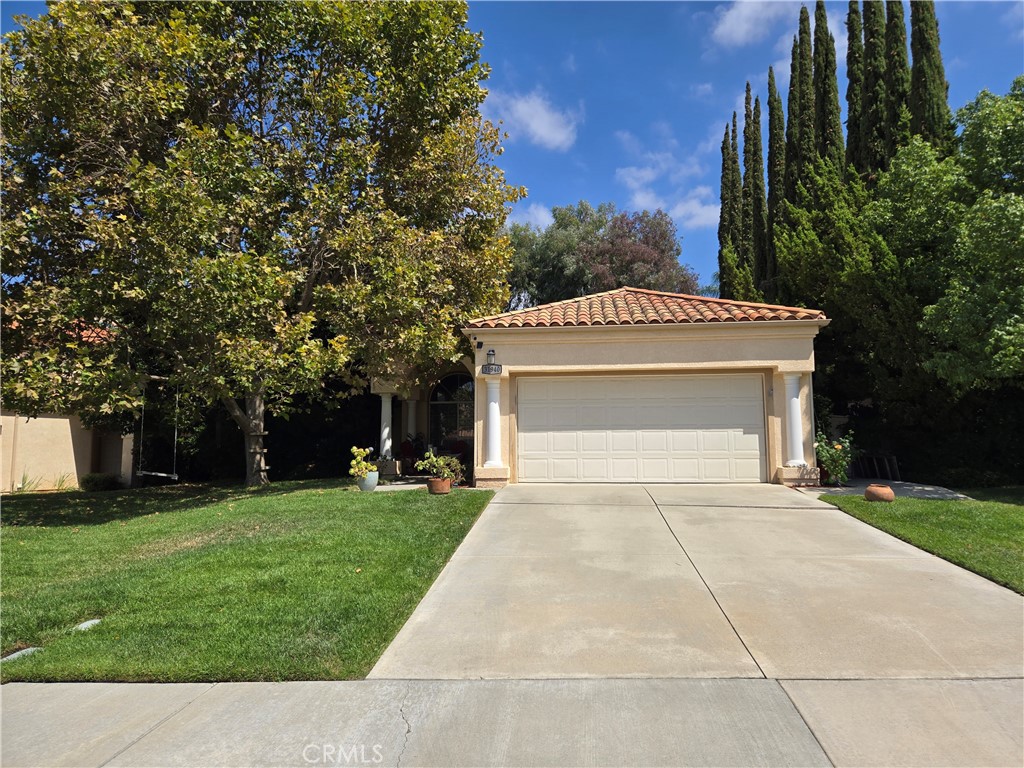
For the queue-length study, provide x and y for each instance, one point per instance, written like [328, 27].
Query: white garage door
[669, 429]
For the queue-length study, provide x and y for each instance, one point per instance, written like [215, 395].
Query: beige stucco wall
[47, 452]
[772, 349]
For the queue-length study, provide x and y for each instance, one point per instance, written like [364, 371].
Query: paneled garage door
[670, 429]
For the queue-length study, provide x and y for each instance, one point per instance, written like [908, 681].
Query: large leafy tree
[977, 323]
[243, 198]
[549, 264]
[640, 250]
[587, 249]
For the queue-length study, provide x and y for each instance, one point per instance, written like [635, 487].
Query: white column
[385, 426]
[492, 426]
[794, 424]
[410, 419]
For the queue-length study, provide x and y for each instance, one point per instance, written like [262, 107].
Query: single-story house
[636, 385]
[51, 451]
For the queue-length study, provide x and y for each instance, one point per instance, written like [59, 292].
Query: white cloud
[702, 90]
[532, 116]
[743, 23]
[697, 209]
[534, 214]
[569, 63]
[657, 177]
[1013, 20]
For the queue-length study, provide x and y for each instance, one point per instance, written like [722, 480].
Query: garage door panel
[624, 470]
[656, 470]
[697, 428]
[624, 441]
[717, 470]
[747, 440]
[565, 442]
[653, 441]
[533, 442]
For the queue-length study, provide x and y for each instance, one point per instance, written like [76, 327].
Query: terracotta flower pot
[876, 492]
[439, 485]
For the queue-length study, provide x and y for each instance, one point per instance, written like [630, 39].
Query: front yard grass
[300, 581]
[986, 537]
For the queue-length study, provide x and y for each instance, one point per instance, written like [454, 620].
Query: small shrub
[99, 481]
[835, 456]
[441, 466]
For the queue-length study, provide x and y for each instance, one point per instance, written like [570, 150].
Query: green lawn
[984, 536]
[300, 581]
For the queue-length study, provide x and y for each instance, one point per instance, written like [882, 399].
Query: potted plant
[835, 456]
[365, 472]
[443, 471]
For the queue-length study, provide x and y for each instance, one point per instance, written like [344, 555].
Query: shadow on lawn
[78, 508]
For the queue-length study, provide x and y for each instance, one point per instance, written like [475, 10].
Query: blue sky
[626, 102]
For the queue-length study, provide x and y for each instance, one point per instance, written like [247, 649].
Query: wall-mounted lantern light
[490, 368]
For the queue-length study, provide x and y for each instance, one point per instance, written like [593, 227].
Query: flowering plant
[360, 466]
[441, 466]
[835, 456]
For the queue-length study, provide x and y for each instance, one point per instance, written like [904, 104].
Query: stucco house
[629, 385]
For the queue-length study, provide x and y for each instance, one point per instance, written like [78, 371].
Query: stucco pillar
[794, 424]
[492, 425]
[385, 426]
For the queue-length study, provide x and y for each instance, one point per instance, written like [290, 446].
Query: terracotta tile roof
[637, 306]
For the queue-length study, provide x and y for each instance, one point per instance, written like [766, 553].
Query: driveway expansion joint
[706, 585]
[158, 724]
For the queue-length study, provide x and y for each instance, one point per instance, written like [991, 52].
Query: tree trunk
[251, 421]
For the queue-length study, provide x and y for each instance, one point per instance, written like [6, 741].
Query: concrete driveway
[615, 625]
[891, 656]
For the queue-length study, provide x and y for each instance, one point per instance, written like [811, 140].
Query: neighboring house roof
[637, 306]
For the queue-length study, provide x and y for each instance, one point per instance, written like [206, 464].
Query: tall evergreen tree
[806, 92]
[745, 246]
[729, 214]
[873, 98]
[792, 168]
[854, 87]
[897, 80]
[776, 181]
[929, 109]
[759, 213]
[828, 126]
[735, 187]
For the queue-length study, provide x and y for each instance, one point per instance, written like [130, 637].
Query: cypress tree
[828, 127]
[929, 109]
[897, 80]
[735, 188]
[745, 249]
[806, 92]
[854, 87]
[724, 218]
[792, 172]
[776, 182]
[873, 98]
[729, 214]
[759, 213]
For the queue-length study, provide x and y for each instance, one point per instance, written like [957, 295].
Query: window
[451, 417]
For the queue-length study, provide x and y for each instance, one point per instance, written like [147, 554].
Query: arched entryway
[451, 418]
